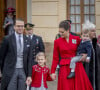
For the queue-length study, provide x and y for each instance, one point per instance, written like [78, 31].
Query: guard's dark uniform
[37, 46]
[36, 41]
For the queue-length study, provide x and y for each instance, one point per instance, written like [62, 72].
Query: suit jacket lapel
[14, 43]
[33, 39]
[24, 44]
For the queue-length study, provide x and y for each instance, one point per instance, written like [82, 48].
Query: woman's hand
[83, 57]
[53, 76]
[28, 80]
[8, 23]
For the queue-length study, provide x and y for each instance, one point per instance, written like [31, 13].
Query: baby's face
[85, 37]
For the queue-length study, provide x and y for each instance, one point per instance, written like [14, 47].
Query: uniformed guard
[37, 42]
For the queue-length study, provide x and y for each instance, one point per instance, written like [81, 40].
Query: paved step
[52, 85]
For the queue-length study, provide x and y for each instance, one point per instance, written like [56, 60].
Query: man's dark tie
[20, 41]
[29, 37]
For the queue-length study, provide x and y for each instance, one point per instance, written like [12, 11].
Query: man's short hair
[18, 19]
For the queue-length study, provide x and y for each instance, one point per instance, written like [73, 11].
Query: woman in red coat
[66, 46]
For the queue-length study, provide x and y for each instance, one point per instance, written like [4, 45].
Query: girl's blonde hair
[40, 54]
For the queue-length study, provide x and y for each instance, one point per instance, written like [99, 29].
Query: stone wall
[97, 8]
[52, 85]
[46, 15]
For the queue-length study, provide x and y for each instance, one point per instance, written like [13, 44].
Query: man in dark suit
[36, 41]
[15, 59]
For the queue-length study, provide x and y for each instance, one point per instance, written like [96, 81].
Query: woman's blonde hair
[88, 26]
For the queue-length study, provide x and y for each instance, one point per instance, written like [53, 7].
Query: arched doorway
[2, 15]
[21, 11]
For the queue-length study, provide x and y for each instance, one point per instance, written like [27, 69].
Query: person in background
[98, 62]
[9, 21]
[93, 67]
[40, 73]
[98, 40]
[36, 41]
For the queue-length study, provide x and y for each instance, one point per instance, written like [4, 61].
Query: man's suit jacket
[8, 58]
[37, 46]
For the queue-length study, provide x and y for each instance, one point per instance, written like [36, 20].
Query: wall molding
[29, 11]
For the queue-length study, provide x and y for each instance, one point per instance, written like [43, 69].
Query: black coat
[37, 46]
[8, 58]
[93, 68]
[98, 66]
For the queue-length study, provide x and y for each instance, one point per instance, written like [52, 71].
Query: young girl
[40, 73]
